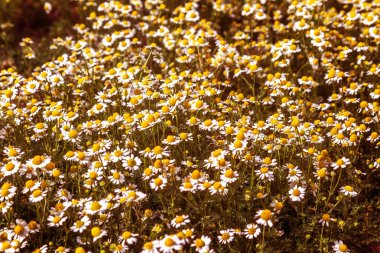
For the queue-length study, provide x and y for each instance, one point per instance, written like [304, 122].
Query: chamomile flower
[264, 217]
[229, 176]
[348, 190]
[20, 230]
[297, 193]
[81, 225]
[251, 231]
[180, 220]
[116, 177]
[201, 244]
[127, 238]
[38, 162]
[340, 247]
[131, 162]
[170, 243]
[97, 233]
[10, 168]
[57, 220]
[158, 183]
[37, 195]
[340, 163]
[226, 236]
[325, 219]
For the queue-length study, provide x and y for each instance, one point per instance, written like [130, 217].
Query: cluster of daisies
[202, 126]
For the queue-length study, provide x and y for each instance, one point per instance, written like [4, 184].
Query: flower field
[201, 126]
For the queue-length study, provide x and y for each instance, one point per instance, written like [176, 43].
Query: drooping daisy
[326, 218]
[348, 190]
[97, 233]
[265, 173]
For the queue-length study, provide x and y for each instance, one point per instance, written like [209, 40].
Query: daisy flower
[264, 217]
[38, 162]
[180, 220]
[131, 162]
[321, 174]
[20, 230]
[116, 177]
[251, 231]
[56, 220]
[170, 243]
[127, 238]
[297, 193]
[10, 168]
[341, 163]
[325, 219]
[81, 225]
[226, 236]
[218, 188]
[97, 233]
[294, 174]
[37, 195]
[13, 153]
[158, 183]
[265, 173]
[201, 244]
[229, 176]
[151, 247]
[348, 190]
[340, 247]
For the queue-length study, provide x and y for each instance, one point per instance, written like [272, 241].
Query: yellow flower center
[18, 229]
[169, 242]
[296, 192]
[95, 206]
[266, 214]
[56, 219]
[343, 248]
[326, 217]
[126, 235]
[349, 188]
[158, 181]
[148, 245]
[37, 160]
[37, 193]
[95, 231]
[225, 236]
[199, 243]
[229, 173]
[179, 219]
[9, 166]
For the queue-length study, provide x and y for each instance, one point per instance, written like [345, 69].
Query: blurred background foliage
[28, 18]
